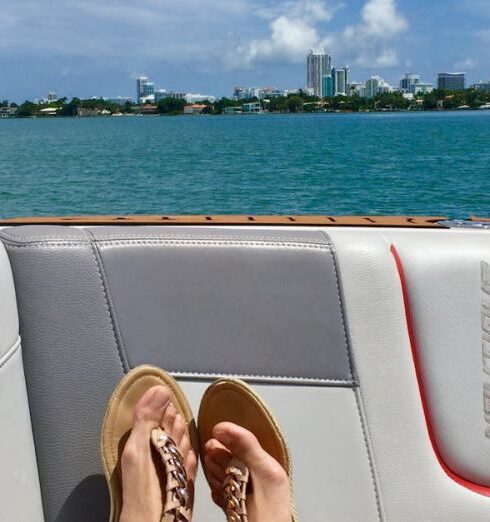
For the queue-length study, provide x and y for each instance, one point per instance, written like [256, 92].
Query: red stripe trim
[477, 488]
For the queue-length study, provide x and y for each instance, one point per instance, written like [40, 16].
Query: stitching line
[350, 383]
[10, 353]
[357, 398]
[169, 236]
[357, 394]
[185, 243]
[120, 353]
[339, 297]
[216, 242]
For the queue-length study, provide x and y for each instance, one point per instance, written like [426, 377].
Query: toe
[218, 453]
[244, 445]
[150, 407]
[178, 429]
[213, 469]
[190, 464]
[168, 419]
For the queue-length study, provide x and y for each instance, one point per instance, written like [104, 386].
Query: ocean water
[423, 163]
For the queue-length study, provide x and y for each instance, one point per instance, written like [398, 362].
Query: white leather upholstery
[332, 478]
[412, 483]
[20, 497]
[445, 287]
[9, 321]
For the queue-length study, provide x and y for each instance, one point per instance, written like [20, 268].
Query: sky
[98, 47]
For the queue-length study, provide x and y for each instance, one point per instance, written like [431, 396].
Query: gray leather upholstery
[264, 305]
[20, 497]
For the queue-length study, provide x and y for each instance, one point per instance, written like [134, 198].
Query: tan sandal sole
[232, 400]
[118, 422]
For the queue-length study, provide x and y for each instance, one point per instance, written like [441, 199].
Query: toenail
[223, 437]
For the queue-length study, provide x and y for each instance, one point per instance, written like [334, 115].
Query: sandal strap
[177, 502]
[235, 491]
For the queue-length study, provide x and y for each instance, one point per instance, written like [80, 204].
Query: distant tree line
[293, 103]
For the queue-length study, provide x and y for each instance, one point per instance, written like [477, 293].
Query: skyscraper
[144, 88]
[451, 81]
[327, 86]
[318, 63]
[408, 83]
[340, 78]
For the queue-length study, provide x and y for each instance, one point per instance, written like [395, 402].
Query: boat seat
[367, 344]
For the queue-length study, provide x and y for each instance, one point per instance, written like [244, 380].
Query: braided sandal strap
[235, 491]
[177, 506]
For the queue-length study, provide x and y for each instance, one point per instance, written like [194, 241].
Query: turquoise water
[423, 163]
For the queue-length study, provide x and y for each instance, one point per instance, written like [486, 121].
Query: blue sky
[97, 48]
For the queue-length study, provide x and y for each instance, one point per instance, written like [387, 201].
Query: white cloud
[382, 19]
[119, 29]
[294, 26]
[293, 29]
[311, 10]
[371, 42]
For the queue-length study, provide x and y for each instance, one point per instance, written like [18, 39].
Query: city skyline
[92, 49]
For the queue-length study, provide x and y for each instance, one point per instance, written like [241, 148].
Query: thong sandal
[116, 427]
[232, 400]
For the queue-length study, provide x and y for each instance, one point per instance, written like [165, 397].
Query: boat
[369, 337]
[484, 107]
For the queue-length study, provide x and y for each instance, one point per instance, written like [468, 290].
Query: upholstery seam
[370, 457]
[10, 353]
[341, 306]
[217, 242]
[204, 237]
[374, 482]
[184, 242]
[191, 374]
[37, 239]
[121, 355]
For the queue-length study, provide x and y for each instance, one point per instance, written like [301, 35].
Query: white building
[318, 64]
[145, 90]
[195, 98]
[356, 89]
[411, 84]
[376, 85]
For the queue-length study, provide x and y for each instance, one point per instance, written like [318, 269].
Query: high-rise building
[327, 86]
[408, 83]
[356, 89]
[144, 88]
[376, 85]
[411, 84]
[340, 79]
[482, 86]
[451, 81]
[160, 94]
[318, 63]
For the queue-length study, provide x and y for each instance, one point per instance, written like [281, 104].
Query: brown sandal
[116, 427]
[232, 400]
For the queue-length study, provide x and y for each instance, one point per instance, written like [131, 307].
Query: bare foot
[143, 490]
[269, 498]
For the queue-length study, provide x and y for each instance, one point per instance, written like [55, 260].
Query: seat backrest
[370, 348]
[20, 497]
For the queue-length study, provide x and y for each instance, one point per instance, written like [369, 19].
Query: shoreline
[263, 113]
